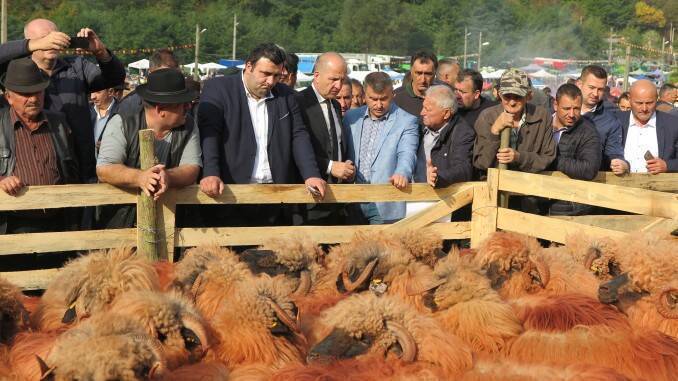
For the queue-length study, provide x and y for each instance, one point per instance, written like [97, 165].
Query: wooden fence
[649, 197]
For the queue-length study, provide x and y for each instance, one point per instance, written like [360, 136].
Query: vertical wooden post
[504, 143]
[166, 225]
[484, 215]
[147, 232]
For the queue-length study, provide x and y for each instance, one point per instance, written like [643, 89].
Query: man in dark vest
[36, 148]
[177, 144]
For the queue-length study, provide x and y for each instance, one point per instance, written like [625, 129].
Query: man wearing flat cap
[532, 147]
[166, 100]
[35, 148]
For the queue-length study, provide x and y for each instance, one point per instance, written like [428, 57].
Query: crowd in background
[64, 120]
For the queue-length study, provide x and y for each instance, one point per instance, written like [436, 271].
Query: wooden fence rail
[646, 195]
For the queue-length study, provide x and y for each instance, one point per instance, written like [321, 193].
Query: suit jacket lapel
[272, 109]
[660, 137]
[245, 113]
[625, 128]
[385, 130]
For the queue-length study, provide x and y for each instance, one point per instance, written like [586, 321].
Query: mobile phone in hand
[648, 155]
[79, 43]
[314, 190]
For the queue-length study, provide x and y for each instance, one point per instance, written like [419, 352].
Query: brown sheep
[598, 255]
[370, 368]
[367, 325]
[296, 257]
[28, 345]
[203, 371]
[464, 304]
[13, 315]
[208, 275]
[513, 264]
[425, 245]
[648, 291]
[638, 354]
[257, 323]
[89, 284]
[106, 347]
[514, 371]
[169, 318]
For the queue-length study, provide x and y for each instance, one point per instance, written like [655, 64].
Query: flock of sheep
[383, 306]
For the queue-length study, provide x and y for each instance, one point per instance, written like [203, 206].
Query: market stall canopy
[541, 74]
[532, 68]
[141, 64]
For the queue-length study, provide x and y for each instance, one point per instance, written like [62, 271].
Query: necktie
[333, 131]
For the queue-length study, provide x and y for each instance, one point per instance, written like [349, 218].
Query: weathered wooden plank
[295, 194]
[436, 211]
[625, 223]
[484, 209]
[166, 222]
[66, 241]
[63, 196]
[30, 280]
[640, 201]
[322, 234]
[548, 228]
[663, 182]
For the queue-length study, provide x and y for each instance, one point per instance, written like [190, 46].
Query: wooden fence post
[147, 233]
[484, 215]
[505, 142]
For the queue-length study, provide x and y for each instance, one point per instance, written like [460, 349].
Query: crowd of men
[253, 127]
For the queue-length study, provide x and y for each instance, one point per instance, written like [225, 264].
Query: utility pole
[480, 48]
[627, 70]
[609, 50]
[465, 44]
[196, 73]
[235, 33]
[3, 27]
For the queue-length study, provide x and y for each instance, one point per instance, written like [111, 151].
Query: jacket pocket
[5, 156]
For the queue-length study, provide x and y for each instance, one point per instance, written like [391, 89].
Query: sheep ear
[155, 371]
[46, 373]
[69, 315]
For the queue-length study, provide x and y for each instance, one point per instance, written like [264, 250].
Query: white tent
[141, 64]
[211, 66]
[301, 77]
[494, 75]
[541, 74]
[190, 66]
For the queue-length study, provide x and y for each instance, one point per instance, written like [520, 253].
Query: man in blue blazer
[251, 131]
[382, 141]
[644, 129]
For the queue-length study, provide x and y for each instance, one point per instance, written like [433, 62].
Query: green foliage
[514, 28]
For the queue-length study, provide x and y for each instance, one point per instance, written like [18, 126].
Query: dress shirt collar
[249, 95]
[384, 117]
[320, 98]
[108, 109]
[652, 123]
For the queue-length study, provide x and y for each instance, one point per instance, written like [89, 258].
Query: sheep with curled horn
[425, 245]
[106, 347]
[296, 258]
[598, 255]
[208, 276]
[460, 298]
[257, 324]
[365, 325]
[647, 291]
[169, 318]
[89, 284]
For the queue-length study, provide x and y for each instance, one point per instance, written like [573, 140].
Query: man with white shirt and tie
[650, 137]
[322, 116]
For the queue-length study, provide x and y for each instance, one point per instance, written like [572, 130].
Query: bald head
[38, 28]
[643, 97]
[329, 71]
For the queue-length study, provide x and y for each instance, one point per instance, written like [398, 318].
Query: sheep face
[90, 284]
[372, 264]
[365, 325]
[456, 280]
[170, 319]
[603, 265]
[106, 347]
[258, 315]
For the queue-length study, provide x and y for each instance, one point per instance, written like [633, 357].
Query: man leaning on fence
[382, 141]
[35, 149]
[166, 101]
[578, 143]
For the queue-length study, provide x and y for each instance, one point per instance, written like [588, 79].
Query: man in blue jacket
[592, 84]
[382, 142]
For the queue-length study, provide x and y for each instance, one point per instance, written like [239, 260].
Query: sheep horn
[664, 307]
[46, 373]
[592, 254]
[156, 371]
[413, 288]
[364, 275]
[304, 284]
[285, 318]
[159, 367]
[405, 339]
[198, 329]
[544, 272]
[195, 288]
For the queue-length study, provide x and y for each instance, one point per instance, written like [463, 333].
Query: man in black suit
[644, 129]
[322, 115]
[251, 131]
